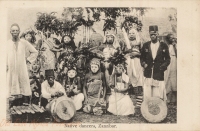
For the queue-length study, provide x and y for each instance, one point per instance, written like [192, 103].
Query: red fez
[153, 29]
[49, 72]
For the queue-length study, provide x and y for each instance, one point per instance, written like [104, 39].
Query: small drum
[154, 109]
[62, 109]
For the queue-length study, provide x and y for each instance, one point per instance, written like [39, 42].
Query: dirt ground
[137, 118]
[82, 117]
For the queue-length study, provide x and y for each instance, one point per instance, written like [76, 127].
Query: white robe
[47, 91]
[17, 73]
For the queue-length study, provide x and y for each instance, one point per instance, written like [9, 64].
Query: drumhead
[63, 109]
[154, 109]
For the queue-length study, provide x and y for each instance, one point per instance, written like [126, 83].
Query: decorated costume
[133, 47]
[120, 102]
[73, 86]
[109, 47]
[94, 90]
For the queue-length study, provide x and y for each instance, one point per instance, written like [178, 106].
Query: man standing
[154, 59]
[51, 88]
[17, 74]
[171, 72]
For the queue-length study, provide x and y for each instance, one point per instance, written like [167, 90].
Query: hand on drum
[57, 94]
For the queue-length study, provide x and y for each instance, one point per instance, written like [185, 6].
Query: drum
[154, 109]
[62, 109]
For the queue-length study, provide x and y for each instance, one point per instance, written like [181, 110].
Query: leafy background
[163, 17]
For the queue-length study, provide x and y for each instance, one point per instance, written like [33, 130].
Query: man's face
[14, 31]
[153, 36]
[71, 73]
[171, 39]
[119, 69]
[67, 39]
[50, 80]
[131, 35]
[110, 39]
[28, 37]
[94, 68]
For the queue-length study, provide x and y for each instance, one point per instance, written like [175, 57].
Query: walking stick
[116, 97]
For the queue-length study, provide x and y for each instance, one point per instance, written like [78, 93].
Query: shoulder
[44, 83]
[146, 43]
[25, 42]
[56, 82]
[164, 45]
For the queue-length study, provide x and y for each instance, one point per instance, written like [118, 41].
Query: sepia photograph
[92, 65]
[99, 65]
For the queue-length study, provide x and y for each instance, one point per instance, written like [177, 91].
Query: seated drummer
[50, 88]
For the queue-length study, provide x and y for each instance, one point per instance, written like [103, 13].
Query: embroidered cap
[95, 61]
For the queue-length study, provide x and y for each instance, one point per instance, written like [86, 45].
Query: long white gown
[120, 103]
[17, 72]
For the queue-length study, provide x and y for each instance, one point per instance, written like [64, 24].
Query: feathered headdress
[129, 20]
[71, 64]
[118, 58]
[109, 25]
[87, 51]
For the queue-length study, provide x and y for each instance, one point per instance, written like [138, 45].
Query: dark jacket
[159, 65]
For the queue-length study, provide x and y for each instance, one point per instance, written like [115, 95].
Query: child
[73, 86]
[119, 101]
[94, 89]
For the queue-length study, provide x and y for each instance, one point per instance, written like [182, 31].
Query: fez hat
[153, 29]
[49, 72]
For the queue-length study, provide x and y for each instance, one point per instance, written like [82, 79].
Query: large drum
[62, 109]
[154, 109]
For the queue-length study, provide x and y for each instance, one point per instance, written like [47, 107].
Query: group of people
[107, 82]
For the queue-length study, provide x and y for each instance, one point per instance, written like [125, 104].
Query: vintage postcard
[99, 65]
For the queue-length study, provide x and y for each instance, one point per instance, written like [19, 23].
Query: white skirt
[120, 104]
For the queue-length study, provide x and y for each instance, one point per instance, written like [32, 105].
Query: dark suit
[159, 64]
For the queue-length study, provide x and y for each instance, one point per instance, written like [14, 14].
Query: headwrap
[109, 28]
[115, 42]
[95, 61]
[71, 64]
[31, 32]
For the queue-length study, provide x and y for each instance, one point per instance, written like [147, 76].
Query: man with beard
[155, 60]
[109, 48]
[171, 73]
[17, 73]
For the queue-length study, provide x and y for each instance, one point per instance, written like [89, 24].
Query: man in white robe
[51, 88]
[17, 74]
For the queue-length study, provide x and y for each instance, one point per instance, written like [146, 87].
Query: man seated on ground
[50, 88]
